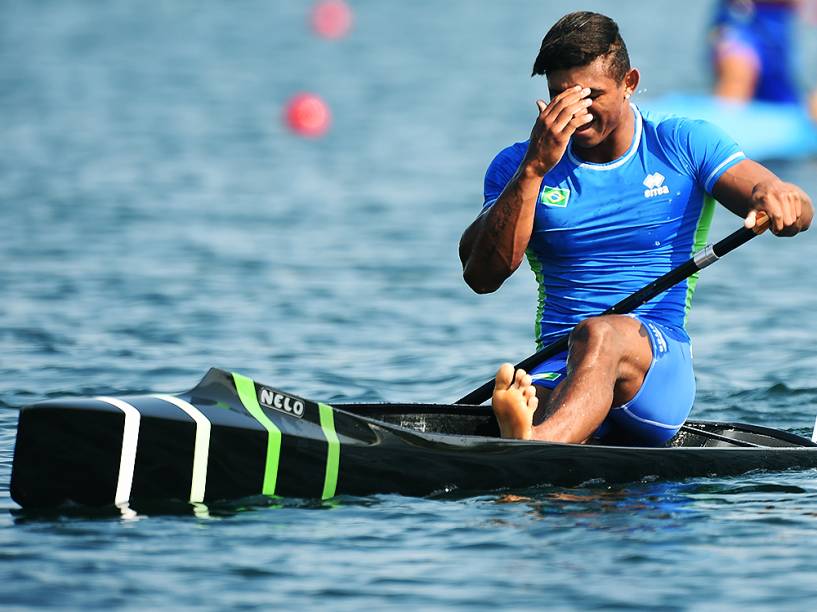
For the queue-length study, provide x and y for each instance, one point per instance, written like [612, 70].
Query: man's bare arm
[492, 247]
[748, 188]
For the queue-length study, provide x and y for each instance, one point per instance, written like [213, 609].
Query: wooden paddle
[700, 260]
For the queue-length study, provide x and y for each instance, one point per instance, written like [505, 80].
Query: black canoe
[230, 437]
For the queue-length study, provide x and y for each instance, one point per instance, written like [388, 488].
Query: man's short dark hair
[577, 39]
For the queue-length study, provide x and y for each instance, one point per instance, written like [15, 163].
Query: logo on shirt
[555, 196]
[654, 184]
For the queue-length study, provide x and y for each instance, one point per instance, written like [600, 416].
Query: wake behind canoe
[230, 437]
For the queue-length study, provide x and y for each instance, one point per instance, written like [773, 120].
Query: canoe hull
[77, 451]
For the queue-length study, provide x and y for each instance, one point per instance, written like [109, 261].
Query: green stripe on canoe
[330, 483]
[246, 393]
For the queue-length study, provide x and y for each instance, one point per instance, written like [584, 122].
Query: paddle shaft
[700, 260]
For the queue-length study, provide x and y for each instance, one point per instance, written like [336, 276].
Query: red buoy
[308, 115]
[331, 18]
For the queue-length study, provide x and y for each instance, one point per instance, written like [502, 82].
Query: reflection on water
[668, 504]
[592, 507]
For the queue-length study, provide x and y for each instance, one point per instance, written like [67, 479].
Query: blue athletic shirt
[603, 231]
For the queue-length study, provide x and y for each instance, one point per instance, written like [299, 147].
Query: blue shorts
[664, 400]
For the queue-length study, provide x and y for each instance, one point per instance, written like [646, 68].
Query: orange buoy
[308, 115]
[331, 18]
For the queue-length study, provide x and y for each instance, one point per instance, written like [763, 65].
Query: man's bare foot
[514, 402]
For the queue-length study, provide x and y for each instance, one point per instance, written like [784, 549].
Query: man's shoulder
[670, 127]
[506, 162]
[667, 126]
[514, 152]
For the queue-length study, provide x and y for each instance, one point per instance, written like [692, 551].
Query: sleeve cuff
[721, 168]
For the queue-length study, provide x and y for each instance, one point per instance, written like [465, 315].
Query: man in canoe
[604, 199]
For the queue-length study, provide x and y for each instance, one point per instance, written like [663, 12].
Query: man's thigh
[667, 393]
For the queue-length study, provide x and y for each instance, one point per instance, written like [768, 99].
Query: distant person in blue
[603, 199]
[755, 52]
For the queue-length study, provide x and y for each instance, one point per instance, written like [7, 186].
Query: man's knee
[594, 331]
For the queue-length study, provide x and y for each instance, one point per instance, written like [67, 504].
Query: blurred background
[160, 215]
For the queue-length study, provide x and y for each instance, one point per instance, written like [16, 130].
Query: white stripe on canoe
[130, 435]
[201, 450]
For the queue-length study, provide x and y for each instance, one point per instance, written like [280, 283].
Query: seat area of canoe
[479, 421]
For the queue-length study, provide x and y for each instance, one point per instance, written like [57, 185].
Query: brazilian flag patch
[546, 376]
[555, 196]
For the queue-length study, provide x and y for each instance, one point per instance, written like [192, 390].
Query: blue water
[157, 220]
